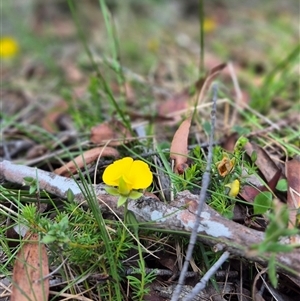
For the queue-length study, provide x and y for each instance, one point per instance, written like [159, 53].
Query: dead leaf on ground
[180, 101]
[249, 192]
[293, 193]
[30, 271]
[179, 146]
[113, 130]
[229, 142]
[49, 122]
[265, 164]
[87, 157]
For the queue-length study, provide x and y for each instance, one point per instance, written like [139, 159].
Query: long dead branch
[180, 215]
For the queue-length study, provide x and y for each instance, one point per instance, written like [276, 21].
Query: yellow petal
[114, 171]
[139, 175]
[8, 47]
[234, 188]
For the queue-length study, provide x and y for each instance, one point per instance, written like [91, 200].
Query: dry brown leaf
[179, 146]
[30, 271]
[229, 142]
[49, 122]
[293, 193]
[205, 84]
[86, 158]
[180, 100]
[113, 130]
[249, 192]
[265, 164]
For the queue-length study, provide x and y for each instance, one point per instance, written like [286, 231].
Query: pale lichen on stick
[178, 215]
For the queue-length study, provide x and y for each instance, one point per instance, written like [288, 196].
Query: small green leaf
[254, 156]
[28, 180]
[272, 270]
[262, 202]
[278, 247]
[241, 130]
[134, 195]
[112, 190]
[282, 185]
[239, 145]
[70, 195]
[206, 127]
[64, 223]
[131, 220]
[122, 200]
[47, 239]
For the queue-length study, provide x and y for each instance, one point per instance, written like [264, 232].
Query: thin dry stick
[202, 197]
[202, 284]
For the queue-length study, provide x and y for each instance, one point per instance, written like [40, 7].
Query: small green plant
[32, 183]
[276, 230]
[126, 176]
[57, 232]
[139, 284]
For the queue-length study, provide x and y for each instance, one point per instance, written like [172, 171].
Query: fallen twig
[179, 215]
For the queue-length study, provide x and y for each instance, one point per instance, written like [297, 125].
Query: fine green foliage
[84, 243]
[277, 229]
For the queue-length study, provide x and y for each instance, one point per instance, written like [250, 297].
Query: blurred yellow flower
[8, 47]
[209, 25]
[234, 188]
[127, 174]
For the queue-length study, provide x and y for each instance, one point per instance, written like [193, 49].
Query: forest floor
[84, 85]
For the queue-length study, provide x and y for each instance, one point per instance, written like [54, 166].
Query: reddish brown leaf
[86, 158]
[180, 100]
[229, 142]
[265, 164]
[113, 131]
[179, 146]
[30, 271]
[249, 192]
[293, 193]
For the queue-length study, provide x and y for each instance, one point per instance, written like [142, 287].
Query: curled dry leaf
[179, 146]
[265, 164]
[293, 193]
[30, 271]
[86, 158]
[114, 132]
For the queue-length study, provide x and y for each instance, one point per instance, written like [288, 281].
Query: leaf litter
[110, 139]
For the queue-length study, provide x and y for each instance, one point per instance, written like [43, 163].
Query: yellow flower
[8, 47]
[234, 188]
[226, 165]
[128, 175]
[209, 25]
